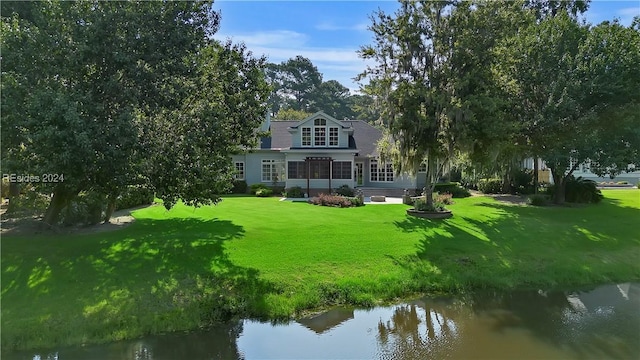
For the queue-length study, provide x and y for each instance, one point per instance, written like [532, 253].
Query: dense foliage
[113, 104]
[578, 190]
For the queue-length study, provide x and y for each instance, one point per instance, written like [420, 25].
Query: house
[583, 170]
[319, 154]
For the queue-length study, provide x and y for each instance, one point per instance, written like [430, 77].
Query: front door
[358, 174]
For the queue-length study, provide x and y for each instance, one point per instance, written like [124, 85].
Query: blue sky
[330, 32]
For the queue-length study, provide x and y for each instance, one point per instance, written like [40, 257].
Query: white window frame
[382, 173]
[276, 167]
[239, 175]
[331, 138]
[310, 137]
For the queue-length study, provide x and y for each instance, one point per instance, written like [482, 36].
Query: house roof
[280, 137]
[364, 138]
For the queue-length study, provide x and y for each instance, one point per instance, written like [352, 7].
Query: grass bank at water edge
[260, 257]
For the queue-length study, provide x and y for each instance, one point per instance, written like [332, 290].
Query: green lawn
[260, 257]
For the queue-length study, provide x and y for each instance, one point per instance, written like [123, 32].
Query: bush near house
[345, 190]
[335, 201]
[453, 188]
[490, 186]
[579, 190]
[256, 187]
[239, 187]
[443, 198]
[264, 192]
[538, 200]
[522, 181]
[294, 192]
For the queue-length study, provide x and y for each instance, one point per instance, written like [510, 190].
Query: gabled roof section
[280, 137]
[319, 115]
[365, 137]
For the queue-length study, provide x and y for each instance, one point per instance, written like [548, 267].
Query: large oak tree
[95, 90]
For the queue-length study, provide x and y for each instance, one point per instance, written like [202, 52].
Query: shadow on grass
[528, 248]
[505, 246]
[155, 276]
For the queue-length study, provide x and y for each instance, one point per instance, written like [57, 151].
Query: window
[422, 168]
[381, 173]
[586, 166]
[320, 136]
[333, 136]
[319, 170]
[272, 170]
[297, 170]
[306, 136]
[239, 175]
[341, 170]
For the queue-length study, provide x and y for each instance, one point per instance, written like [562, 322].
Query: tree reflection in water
[418, 330]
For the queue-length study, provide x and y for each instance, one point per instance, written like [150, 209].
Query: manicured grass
[260, 257]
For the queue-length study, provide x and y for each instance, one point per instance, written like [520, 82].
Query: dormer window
[306, 136]
[320, 135]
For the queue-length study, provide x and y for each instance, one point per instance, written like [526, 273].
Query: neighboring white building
[583, 170]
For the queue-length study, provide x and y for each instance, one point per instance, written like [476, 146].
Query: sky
[330, 32]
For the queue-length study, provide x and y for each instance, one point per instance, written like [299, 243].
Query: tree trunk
[535, 175]
[560, 183]
[60, 199]
[506, 182]
[111, 207]
[14, 193]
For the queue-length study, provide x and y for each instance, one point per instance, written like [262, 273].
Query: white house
[320, 153]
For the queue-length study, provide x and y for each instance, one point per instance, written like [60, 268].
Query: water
[600, 323]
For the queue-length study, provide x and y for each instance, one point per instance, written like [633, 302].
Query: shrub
[134, 195]
[28, 202]
[239, 187]
[421, 205]
[330, 200]
[443, 198]
[264, 192]
[538, 200]
[522, 181]
[5, 188]
[579, 190]
[295, 192]
[345, 190]
[86, 209]
[355, 201]
[490, 186]
[277, 190]
[638, 185]
[256, 187]
[452, 188]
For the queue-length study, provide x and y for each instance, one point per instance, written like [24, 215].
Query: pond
[603, 322]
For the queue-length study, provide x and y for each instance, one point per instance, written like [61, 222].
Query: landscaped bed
[260, 257]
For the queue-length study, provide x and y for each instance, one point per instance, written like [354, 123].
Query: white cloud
[626, 15]
[329, 26]
[265, 38]
[341, 64]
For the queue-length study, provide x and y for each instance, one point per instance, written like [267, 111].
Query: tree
[294, 82]
[433, 82]
[332, 98]
[92, 108]
[570, 81]
[290, 114]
